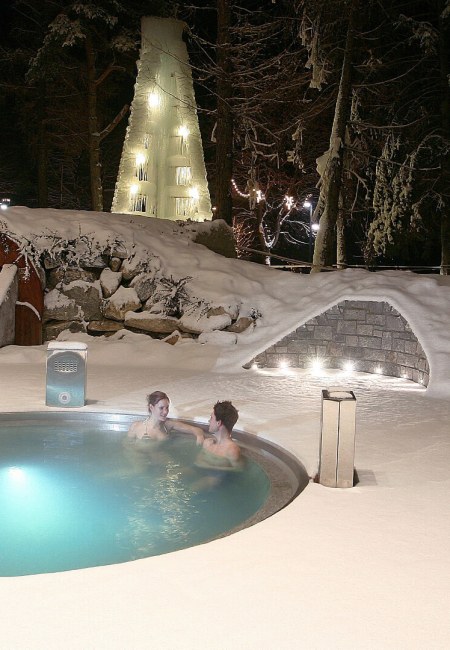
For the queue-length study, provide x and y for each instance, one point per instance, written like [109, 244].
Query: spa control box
[66, 373]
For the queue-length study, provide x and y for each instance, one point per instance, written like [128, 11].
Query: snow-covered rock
[123, 300]
[58, 306]
[144, 285]
[104, 326]
[241, 324]
[138, 263]
[69, 274]
[87, 296]
[149, 322]
[195, 323]
[110, 281]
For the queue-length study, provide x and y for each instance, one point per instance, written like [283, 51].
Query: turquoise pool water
[72, 496]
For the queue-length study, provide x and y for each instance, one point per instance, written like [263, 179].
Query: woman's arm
[132, 430]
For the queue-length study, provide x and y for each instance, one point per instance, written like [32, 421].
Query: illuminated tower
[162, 169]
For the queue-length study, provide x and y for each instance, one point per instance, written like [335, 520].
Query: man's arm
[183, 427]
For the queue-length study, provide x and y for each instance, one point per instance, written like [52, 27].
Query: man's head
[226, 413]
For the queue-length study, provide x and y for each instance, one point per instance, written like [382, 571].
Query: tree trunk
[93, 133]
[341, 252]
[42, 160]
[332, 176]
[444, 53]
[224, 129]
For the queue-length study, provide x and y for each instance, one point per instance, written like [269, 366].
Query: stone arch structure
[373, 335]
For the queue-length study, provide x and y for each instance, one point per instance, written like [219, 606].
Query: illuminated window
[184, 207]
[183, 134]
[138, 203]
[183, 175]
[141, 167]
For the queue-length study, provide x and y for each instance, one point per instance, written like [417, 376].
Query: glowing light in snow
[154, 100]
[183, 131]
[317, 364]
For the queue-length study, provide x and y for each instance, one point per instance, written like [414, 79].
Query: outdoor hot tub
[74, 494]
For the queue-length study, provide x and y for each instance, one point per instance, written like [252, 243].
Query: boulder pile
[118, 290]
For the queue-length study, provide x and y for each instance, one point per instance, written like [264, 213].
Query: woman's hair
[155, 397]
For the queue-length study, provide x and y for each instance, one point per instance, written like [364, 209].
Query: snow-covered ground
[364, 567]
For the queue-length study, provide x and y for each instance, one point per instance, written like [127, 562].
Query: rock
[144, 285]
[51, 262]
[173, 338]
[176, 336]
[58, 306]
[132, 266]
[154, 307]
[241, 325]
[53, 329]
[115, 263]
[216, 311]
[98, 326]
[69, 274]
[151, 322]
[119, 250]
[122, 301]
[231, 310]
[135, 264]
[195, 323]
[97, 262]
[110, 281]
[87, 296]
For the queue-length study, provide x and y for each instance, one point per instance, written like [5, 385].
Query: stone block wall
[373, 335]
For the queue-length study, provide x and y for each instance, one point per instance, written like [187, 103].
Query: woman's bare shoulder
[135, 428]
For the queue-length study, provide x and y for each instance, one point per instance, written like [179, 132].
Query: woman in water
[157, 427]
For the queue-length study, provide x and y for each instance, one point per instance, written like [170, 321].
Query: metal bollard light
[337, 443]
[66, 373]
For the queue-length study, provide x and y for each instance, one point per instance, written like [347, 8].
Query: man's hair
[226, 413]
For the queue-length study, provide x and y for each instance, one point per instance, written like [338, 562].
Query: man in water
[220, 451]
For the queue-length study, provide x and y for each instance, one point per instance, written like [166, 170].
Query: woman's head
[154, 397]
[158, 404]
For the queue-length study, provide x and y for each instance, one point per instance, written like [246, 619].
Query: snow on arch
[368, 336]
[422, 300]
